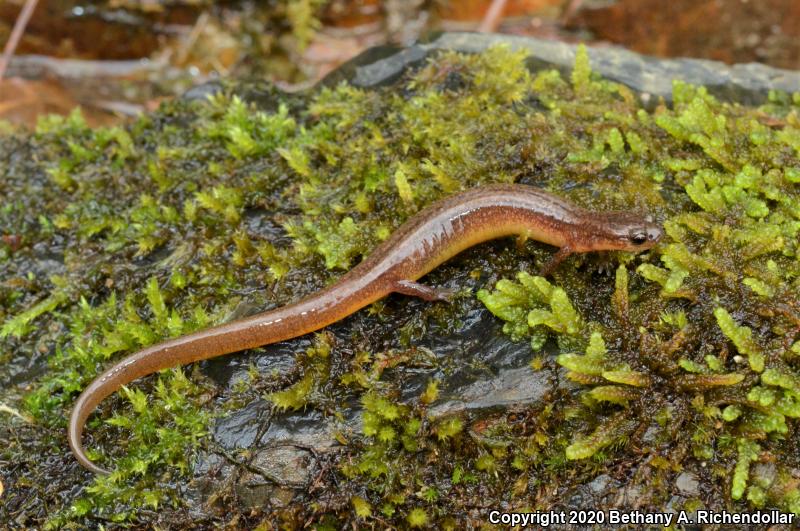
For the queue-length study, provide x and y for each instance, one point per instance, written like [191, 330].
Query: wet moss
[316, 374]
[117, 238]
[730, 212]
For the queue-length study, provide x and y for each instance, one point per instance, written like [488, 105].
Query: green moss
[582, 72]
[247, 131]
[449, 428]
[21, 323]
[157, 430]
[431, 393]
[417, 517]
[613, 393]
[593, 363]
[604, 435]
[748, 452]
[747, 222]
[361, 506]
[485, 463]
[742, 337]
[317, 366]
[532, 306]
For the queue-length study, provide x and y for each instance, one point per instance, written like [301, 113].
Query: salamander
[431, 237]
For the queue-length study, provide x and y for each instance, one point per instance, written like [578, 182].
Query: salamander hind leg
[428, 293]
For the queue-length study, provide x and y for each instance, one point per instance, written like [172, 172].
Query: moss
[747, 222]
[362, 507]
[742, 337]
[157, 432]
[317, 366]
[603, 436]
[449, 428]
[748, 452]
[531, 307]
[431, 392]
[166, 225]
[20, 324]
[417, 517]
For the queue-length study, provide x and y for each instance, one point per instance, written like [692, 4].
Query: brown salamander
[428, 239]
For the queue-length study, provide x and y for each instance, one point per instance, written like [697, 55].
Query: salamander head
[625, 231]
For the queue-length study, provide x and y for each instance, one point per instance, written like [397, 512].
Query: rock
[277, 359]
[629, 496]
[240, 428]
[599, 484]
[289, 463]
[284, 470]
[508, 387]
[596, 493]
[491, 371]
[267, 459]
[203, 91]
[745, 83]
[687, 484]
[764, 473]
[308, 429]
[211, 473]
[282, 464]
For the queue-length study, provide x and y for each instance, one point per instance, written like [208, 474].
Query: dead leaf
[22, 101]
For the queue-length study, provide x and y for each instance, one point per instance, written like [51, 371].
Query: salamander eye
[638, 237]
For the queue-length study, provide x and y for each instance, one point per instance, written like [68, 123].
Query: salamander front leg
[554, 261]
[427, 293]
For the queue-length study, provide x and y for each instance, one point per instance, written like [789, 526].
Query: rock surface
[652, 77]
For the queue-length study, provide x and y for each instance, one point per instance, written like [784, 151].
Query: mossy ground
[686, 356]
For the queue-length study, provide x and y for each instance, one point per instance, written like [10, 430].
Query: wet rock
[211, 473]
[275, 477]
[281, 465]
[289, 463]
[746, 83]
[687, 484]
[486, 369]
[260, 224]
[273, 359]
[629, 496]
[651, 434]
[508, 387]
[47, 260]
[764, 473]
[599, 484]
[203, 91]
[267, 459]
[593, 494]
[240, 428]
[478, 345]
[257, 494]
[309, 429]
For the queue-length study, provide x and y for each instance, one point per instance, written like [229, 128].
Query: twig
[571, 7]
[189, 42]
[217, 448]
[491, 20]
[16, 34]
[11, 411]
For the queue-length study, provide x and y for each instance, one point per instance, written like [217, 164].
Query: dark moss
[117, 238]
